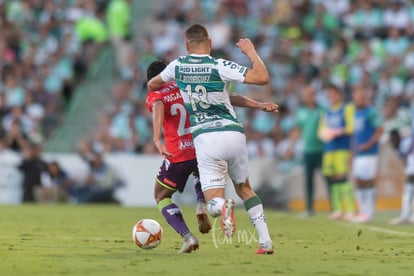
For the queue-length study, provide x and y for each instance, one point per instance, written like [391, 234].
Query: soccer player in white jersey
[218, 136]
[406, 152]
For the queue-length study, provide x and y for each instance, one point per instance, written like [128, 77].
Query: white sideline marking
[380, 230]
[377, 229]
[388, 231]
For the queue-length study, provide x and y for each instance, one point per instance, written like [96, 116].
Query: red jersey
[177, 135]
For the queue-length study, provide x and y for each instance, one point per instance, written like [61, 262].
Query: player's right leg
[173, 177]
[364, 171]
[406, 203]
[254, 208]
[239, 171]
[336, 165]
[212, 168]
[335, 196]
[218, 206]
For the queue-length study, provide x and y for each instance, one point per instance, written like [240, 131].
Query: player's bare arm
[374, 139]
[243, 101]
[258, 74]
[158, 120]
[155, 83]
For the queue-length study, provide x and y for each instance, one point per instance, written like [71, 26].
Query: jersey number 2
[179, 109]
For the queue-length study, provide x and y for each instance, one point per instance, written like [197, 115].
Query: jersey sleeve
[231, 71]
[151, 98]
[168, 74]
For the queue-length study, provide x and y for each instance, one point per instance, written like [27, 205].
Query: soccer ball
[147, 233]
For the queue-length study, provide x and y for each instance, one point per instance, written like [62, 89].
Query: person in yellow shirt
[335, 129]
[118, 17]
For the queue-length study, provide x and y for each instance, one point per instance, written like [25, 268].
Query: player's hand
[269, 107]
[336, 132]
[246, 46]
[162, 149]
[364, 147]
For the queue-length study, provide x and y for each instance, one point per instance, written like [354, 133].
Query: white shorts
[221, 154]
[365, 167]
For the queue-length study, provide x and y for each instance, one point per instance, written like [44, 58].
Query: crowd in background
[314, 42]
[45, 48]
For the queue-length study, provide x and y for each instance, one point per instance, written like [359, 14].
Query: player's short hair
[332, 86]
[196, 34]
[155, 68]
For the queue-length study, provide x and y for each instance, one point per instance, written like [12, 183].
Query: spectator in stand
[7, 155]
[4, 108]
[396, 15]
[14, 138]
[100, 185]
[32, 168]
[41, 57]
[56, 184]
[118, 17]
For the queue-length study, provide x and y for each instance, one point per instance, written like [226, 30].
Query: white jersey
[203, 82]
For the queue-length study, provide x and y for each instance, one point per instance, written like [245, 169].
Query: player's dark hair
[196, 33]
[155, 68]
[332, 86]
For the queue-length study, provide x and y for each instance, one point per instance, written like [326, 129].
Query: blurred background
[73, 87]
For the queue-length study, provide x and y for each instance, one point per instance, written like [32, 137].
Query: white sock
[407, 199]
[365, 201]
[371, 197]
[258, 219]
[359, 195]
[215, 206]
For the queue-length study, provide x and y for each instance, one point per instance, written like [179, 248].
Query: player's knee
[162, 194]
[158, 198]
[244, 191]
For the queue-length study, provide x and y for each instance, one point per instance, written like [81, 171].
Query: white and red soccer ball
[147, 233]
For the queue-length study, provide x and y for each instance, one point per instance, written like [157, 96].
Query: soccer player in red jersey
[169, 113]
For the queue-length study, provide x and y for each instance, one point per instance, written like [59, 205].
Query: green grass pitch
[96, 240]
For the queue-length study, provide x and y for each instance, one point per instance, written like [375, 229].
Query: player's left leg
[406, 203]
[173, 177]
[365, 170]
[172, 214]
[341, 170]
[204, 225]
[328, 170]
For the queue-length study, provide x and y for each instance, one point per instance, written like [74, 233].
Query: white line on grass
[387, 231]
[377, 229]
[380, 229]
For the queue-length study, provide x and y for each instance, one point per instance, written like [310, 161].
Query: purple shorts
[174, 176]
